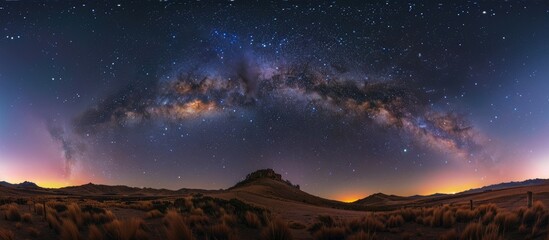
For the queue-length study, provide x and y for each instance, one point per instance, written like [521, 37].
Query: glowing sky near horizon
[345, 99]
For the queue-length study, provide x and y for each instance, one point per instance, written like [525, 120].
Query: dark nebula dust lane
[343, 98]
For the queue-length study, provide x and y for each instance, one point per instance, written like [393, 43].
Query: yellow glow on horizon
[348, 198]
[450, 188]
[51, 184]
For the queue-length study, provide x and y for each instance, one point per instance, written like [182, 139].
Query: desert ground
[264, 206]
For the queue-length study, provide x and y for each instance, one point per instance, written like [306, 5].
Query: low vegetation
[203, 217]
[484, 222]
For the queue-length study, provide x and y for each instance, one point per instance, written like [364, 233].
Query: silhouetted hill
[380, 199]
[264, 185]
[526, 183]
[263, 174]
[24, 184]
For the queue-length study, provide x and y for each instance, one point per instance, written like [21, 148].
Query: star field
[343, 98]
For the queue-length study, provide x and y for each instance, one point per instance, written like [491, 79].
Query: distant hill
[266, 185]
[380, 199]
[505, 185]
[24, 184]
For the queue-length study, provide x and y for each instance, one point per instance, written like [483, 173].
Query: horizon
[347, 199]
[345, 98]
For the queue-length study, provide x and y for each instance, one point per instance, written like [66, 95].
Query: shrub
[538, 206]
[33, 232]
[296, 225]
[529, 217]
[175, 227]
[330, 233]
[361, 235]
[229, 219]
[6, 234]
[448, 219]
[221, 232]
[369, 223]
[126, 230]
[38, 209]
[491, 232]
[94, 233]
[508, 221]
[523, 229]
[13, 213]
[153, 214]
[75, 214]
[372, 224]
[438, 214]
[27, 217]
[198, 220]
[53, 223]
[252, 220]
[69, 231]
[409, 215]
[276, 230]
[473, 231]
[464, 215]
[100, 218]
[487, 218]
[326, 220]
[449, 235]
[427, 220]
[395, 221]
[486, 208]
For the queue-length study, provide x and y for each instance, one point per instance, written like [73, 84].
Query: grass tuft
[33, 232]
[330, 233]
[153, 214]
[276, 230]
[12, 213]
[69, 231]
[133, 228]
[175, 227]
[6, 234]
[252, 220]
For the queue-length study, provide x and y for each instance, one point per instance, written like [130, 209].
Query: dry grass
[153, 214]
[508, 221]
[296, 225]
[276, 230]
[6, 234]
[395, 221]
[473, 231]
[228, 219]
[69, 230]
[94, 233]
[252, 220]
[221, 232]
[448, 219]
[27, 217]
[465, 215]
[361, 235]
[133, 228]
[33, 232]
[175, 227]
[38, 209]
[75, 214]
[330, 233]
[53, 221]
[449, 235]
[12, 213]
[370, 223]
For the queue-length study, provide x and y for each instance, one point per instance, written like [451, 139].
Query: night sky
[345, 99]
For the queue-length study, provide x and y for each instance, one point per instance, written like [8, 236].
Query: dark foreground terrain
[264, 206]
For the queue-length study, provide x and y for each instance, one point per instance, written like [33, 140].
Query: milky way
[343, 98]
